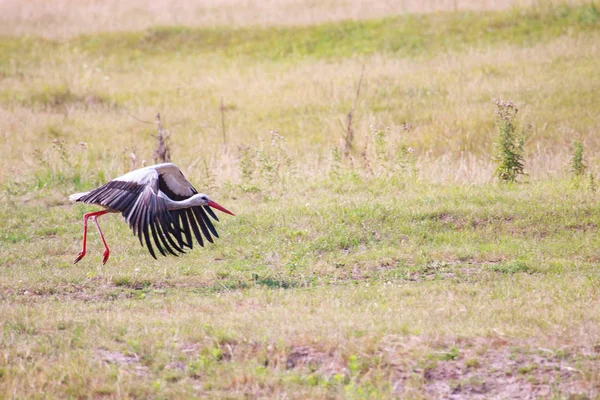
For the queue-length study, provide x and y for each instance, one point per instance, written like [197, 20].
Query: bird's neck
[178, 204]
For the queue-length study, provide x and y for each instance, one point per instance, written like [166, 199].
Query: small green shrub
[592, 182]
[509, 143]
[512, 267]
[577, 165]
[451, 355]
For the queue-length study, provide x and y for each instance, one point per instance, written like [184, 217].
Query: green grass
[403, 270]
[407, 36]
[347, 276]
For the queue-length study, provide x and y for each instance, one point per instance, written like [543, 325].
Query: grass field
[401, 270]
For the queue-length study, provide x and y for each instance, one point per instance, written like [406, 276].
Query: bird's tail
[77, 196]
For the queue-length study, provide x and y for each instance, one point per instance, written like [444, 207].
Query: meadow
[394, 264]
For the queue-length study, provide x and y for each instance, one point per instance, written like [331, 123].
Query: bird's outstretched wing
[135, 196]
[189, 220]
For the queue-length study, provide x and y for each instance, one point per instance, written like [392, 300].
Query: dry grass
[64, 18]
[447, 100]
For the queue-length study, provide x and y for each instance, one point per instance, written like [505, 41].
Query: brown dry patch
[313, 359]
[189, 348]
[129, 362]
[483, 368]
[115, 357]
[584, 227]
[176, 365]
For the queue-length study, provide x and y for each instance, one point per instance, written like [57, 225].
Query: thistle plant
[592, 183]
[336, 160]
[577, 165]
[509, 143]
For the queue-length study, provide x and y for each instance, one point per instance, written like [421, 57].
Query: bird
[159, 204]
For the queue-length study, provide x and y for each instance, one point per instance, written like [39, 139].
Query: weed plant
[577, 166]
[510, 143]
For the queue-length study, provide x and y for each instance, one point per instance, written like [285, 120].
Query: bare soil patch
[115, 357]
[504, 369]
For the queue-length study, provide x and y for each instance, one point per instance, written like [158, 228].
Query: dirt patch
[130, 362]
[305, 356]
[480, 369]
[583, 227]
[115, 357]
[176, 365]
[312, 359]
[189, 348]
[485, 222]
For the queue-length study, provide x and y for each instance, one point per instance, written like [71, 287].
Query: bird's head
[201, 199]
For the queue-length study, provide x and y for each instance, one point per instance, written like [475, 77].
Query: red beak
[220, 208]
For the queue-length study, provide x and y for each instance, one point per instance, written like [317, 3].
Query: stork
[158, 199]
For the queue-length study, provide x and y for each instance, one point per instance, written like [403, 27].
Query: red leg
[106, 253]
[85, 218]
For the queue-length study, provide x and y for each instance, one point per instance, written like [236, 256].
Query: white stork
[156, 198]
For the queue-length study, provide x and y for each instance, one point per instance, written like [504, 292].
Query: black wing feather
[155, 237]
[168, 222]
[164, 237]
[194, 226]
[147, 238]
[211, 213]
[185, 227]
[168, 227]
[200, 218]
[208, 222]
